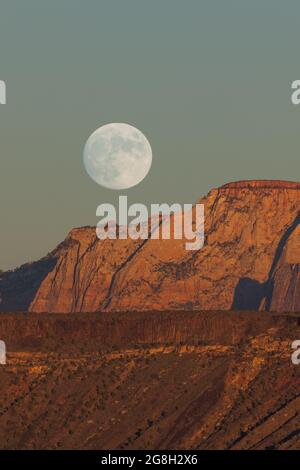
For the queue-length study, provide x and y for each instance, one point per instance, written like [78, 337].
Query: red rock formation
[249, 260]
[244, 224]
[285, 278]
[59, 332]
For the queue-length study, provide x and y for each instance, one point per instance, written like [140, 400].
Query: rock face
[249, 261]
[285, 294]
[54, 332]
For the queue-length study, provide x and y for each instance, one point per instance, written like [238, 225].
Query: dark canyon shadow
[19, 287]
[250, 293]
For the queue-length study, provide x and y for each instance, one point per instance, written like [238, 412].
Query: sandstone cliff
[249, 261]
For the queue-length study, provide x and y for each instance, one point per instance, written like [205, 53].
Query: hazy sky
[208, 82]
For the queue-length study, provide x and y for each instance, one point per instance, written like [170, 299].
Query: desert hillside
[150, 381]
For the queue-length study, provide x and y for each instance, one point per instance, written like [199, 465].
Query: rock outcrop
[92, 331]
[249, 261]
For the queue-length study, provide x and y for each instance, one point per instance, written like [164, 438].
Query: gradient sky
[208, 82]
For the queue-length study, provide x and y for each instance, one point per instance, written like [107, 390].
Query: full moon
[117, 156]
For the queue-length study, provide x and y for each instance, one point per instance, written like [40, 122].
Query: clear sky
[207, 81]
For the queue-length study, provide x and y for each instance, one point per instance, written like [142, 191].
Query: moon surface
[117, 156]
